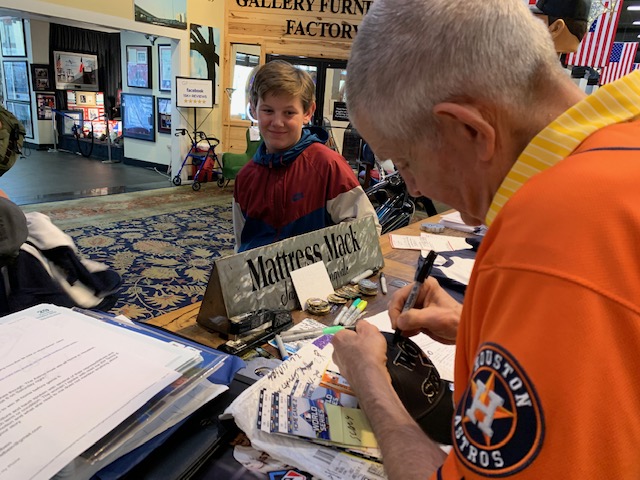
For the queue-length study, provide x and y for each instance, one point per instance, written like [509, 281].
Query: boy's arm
[352, 205]
[238, 223]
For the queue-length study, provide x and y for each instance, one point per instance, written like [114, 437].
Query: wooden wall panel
[308, 28]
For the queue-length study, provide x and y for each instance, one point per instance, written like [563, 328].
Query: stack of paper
[317, 425]
[68, 380]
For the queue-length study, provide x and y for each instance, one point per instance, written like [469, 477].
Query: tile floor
[45, 176]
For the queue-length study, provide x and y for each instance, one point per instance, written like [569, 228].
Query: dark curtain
[107, 48]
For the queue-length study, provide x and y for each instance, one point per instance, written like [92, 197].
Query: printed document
[66, 380]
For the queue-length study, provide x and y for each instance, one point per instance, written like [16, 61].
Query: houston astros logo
[499, 425]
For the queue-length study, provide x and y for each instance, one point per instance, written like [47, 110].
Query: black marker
[421, 274]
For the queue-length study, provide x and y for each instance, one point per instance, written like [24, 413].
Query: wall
[158, 152]
[309, 28]
[38, 32]
[118, 15]
[118, 8]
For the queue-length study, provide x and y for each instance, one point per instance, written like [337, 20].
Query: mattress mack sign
[317, 27]
[260, 278]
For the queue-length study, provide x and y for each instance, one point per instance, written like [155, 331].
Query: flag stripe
[595, 47]
[620, 61]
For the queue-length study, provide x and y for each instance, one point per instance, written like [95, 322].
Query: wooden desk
[398, 264]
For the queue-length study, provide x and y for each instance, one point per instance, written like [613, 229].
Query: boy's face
[280, 119]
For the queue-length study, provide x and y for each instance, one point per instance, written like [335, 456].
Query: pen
[302, 334]
[421, 274]
[363, 275]
[383, 284]
[351, 319]
[283, 351]
[340, 315]
[352, 309]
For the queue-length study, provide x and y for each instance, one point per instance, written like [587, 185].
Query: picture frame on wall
[164, 67]
[17, 80]
[22, 111]
[41, 78]
[139, 66]
[164, 115]
[76, 71]
[12, 39]
[138, 116]
[46, 103]
[70, 121]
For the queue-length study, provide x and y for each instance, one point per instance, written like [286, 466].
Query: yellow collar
[613, 103]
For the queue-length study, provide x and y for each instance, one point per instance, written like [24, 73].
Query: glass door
[329, 77]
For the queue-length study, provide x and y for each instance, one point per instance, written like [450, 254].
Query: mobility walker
[203, 148]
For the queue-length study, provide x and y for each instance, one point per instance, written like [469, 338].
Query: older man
[468, 99]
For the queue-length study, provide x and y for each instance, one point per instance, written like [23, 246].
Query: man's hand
[360, 354]
[435, 312]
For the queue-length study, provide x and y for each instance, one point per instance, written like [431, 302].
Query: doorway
[330, 77]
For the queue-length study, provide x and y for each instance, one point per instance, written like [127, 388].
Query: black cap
[565, 9]
[426, 396]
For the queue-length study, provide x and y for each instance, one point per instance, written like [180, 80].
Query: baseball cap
[427, 397]
[573, 9]
[13, 228]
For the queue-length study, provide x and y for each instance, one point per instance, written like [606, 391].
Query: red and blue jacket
[306, 188]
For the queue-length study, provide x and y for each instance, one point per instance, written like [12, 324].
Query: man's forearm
[407, 451]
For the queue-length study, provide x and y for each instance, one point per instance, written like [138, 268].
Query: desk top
[398, 264]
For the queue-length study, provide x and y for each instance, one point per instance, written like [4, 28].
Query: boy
[294, 183]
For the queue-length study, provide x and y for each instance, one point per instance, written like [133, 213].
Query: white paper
[428, 241]
[203, 393]
[65, 383]
[441, 355]
[311, 281]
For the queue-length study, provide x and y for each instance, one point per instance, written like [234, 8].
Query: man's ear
[462, 122]
[556, 28]
[309, 113]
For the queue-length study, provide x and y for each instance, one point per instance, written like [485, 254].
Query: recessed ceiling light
[633, 7]
[637, 22]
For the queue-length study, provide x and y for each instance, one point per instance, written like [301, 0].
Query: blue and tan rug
[162, 242]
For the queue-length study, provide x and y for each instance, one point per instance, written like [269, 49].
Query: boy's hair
[279, 77]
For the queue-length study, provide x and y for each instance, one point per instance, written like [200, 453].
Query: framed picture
[168, 13]
[139, 66]
[40, 78]
[164, 62]
[164, 115]
[46, 103]
[76, 71]
[12, 40]
[71, 119]
[17, 80]
[22, 111]
[138, 116]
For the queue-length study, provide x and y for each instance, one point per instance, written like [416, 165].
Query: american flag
[595, 47]
[635, 66]
[620, 61]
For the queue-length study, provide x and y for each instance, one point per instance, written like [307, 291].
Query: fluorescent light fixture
[637, 22]
[633, 7]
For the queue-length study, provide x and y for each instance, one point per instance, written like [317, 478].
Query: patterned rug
[162, 242]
